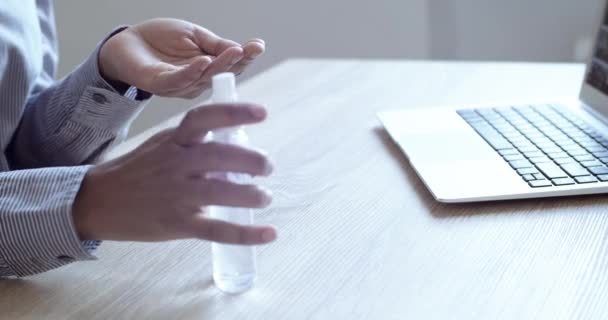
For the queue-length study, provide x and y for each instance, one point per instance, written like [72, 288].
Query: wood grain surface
[359, 235]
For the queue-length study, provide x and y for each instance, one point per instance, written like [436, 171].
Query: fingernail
[258, 113]
[269, 235]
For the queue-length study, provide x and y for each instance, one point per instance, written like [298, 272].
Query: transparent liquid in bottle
[234, 266]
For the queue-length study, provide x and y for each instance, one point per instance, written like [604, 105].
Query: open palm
[173, 58]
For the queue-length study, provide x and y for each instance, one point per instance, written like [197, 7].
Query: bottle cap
[224, 88]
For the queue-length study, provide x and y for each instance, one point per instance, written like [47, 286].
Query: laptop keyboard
[546, 145]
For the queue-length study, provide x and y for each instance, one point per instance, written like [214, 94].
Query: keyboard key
[526, 148]
[576, 151]
[586, 157]
[488, 113]
[563, 181]
[561, 161]
[557, 155]
[525, 171]
[601, 154]
[597, 148]
[521, 164]
[592, 163]
[604, 160]
[585, 179]
[540, 160]
[587, 143]
[551, 170]
[516, 140]
[555, 149]
[603, 177]
[596, 135]
[561, 139]
[497, 141]
[575, 170]
[540, 183]
[505, 152]
[539, 176]
[533, 154]
[528, 177]
[514, 157]
[599, 170]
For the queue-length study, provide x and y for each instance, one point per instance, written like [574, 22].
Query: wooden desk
[360, 236]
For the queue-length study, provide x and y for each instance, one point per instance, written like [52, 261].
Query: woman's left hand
[173, 58]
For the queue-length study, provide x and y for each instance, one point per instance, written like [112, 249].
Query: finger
[251, 50]
[181, 77]
[222, 63]
[224, 232]
[199, 121]
[228, 194]
[254, 48]
[215, 157]
[211, 43]
[194, 93]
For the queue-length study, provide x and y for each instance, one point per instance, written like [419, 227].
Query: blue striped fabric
[49, 131]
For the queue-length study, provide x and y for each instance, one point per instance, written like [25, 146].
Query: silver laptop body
[512, 151]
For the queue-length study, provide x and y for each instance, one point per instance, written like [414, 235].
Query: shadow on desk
[442, 210]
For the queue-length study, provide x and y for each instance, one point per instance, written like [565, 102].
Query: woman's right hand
[159, 191]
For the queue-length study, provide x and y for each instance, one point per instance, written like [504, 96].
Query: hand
[158, 191]
[173, 58]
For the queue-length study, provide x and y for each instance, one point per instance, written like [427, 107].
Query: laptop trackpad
[451, 158]
[436, 135]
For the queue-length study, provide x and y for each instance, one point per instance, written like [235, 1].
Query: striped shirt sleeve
[65, 125]
[73, 120]
[36, 228]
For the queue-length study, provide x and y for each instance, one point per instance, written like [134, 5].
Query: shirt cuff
[38, 233]
[101, 105]
[120, 87]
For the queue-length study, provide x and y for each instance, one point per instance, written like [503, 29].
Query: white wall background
[313, 28]
[528, 30]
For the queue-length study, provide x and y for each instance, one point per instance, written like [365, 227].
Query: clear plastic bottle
[234, 266]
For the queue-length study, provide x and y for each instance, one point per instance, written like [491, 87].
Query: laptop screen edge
[591, 96]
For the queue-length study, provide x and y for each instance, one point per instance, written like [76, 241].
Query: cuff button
[99, 98]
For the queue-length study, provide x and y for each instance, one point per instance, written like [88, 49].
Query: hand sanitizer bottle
[234, 266]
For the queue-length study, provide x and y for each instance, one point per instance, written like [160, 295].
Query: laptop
[512, 151]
